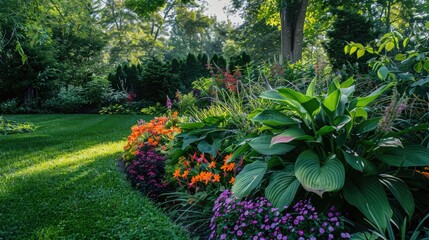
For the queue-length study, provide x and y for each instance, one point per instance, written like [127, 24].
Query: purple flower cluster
[147, 171]
[257, 220]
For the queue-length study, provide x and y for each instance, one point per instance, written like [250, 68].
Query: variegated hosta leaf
[318, 178]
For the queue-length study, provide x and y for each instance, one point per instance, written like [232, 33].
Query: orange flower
[176, 173]
[185, 174]
[232, 180]
[175, 114]
[227, 157]
[216, 178]
[212, 164]
[424, 173]
[227, 167]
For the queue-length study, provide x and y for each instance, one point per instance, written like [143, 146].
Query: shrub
[9, 106]
[70, 99]
[115, 109]
[94, 91]
[146, 171]
[258, 219]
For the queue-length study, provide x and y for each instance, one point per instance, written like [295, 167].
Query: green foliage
[70, 99]
[11, 127]
[115, 109]
[348, 26]
[9, 106]
[187, 102]
[330, 147]
[96, 91]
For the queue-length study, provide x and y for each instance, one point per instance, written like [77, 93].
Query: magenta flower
[168, 103]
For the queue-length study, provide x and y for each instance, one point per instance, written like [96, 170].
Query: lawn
[62, 181]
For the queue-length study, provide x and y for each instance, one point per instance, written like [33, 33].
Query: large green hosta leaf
[282, 189]
[249, 178]
[359, 163]
[263, 146]
[401, 192]
[411, 155]
[368, 195]
[316, 178]
[364, 101]
[273, 118]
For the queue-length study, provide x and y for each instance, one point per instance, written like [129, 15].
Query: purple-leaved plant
[147, 171]
[257, 219]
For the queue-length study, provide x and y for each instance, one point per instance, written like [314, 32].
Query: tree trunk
[292, 30]
[299, 32]
[286, 36]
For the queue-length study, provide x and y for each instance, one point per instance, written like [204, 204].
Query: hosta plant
[326, 144]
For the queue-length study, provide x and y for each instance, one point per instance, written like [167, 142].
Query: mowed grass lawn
[62, 182]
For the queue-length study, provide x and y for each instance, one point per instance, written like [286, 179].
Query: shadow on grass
[83, 198]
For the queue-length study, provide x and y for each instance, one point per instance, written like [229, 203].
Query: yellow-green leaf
[360, 53]
[390, 46]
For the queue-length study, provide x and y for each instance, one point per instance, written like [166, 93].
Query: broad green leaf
[401, 192]
[263, 146]
[292, 94]
[249, 178]
[352, 50]
[311, 88]
[364, 101]
[312, 107]
[273, 118]
[364, 236]
[273, 95]
[390, 46]
[239, 151]
[368, 195]
[348, 83]
[405, 42]
[332, 100]
[418, 67]
[382, 73]
[188, 140]
[359, 112]
[409, 130]
[389, 142]
[325, 130]
[359, 163]
[346, 49]
[316, 178]
[367, 125]
[427, 24]
[289, 135]
[211, 149]
[213, 120]
[191, 125]
[360, 53]
[426, 66]
[400, 57]
[421, 82]
[412, 155]
[341, 121]
[276, 161]
[282, 189]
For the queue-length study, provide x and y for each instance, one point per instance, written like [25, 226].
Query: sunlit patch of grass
[61, 181]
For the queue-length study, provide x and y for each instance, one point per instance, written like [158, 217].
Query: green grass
[62, 182]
